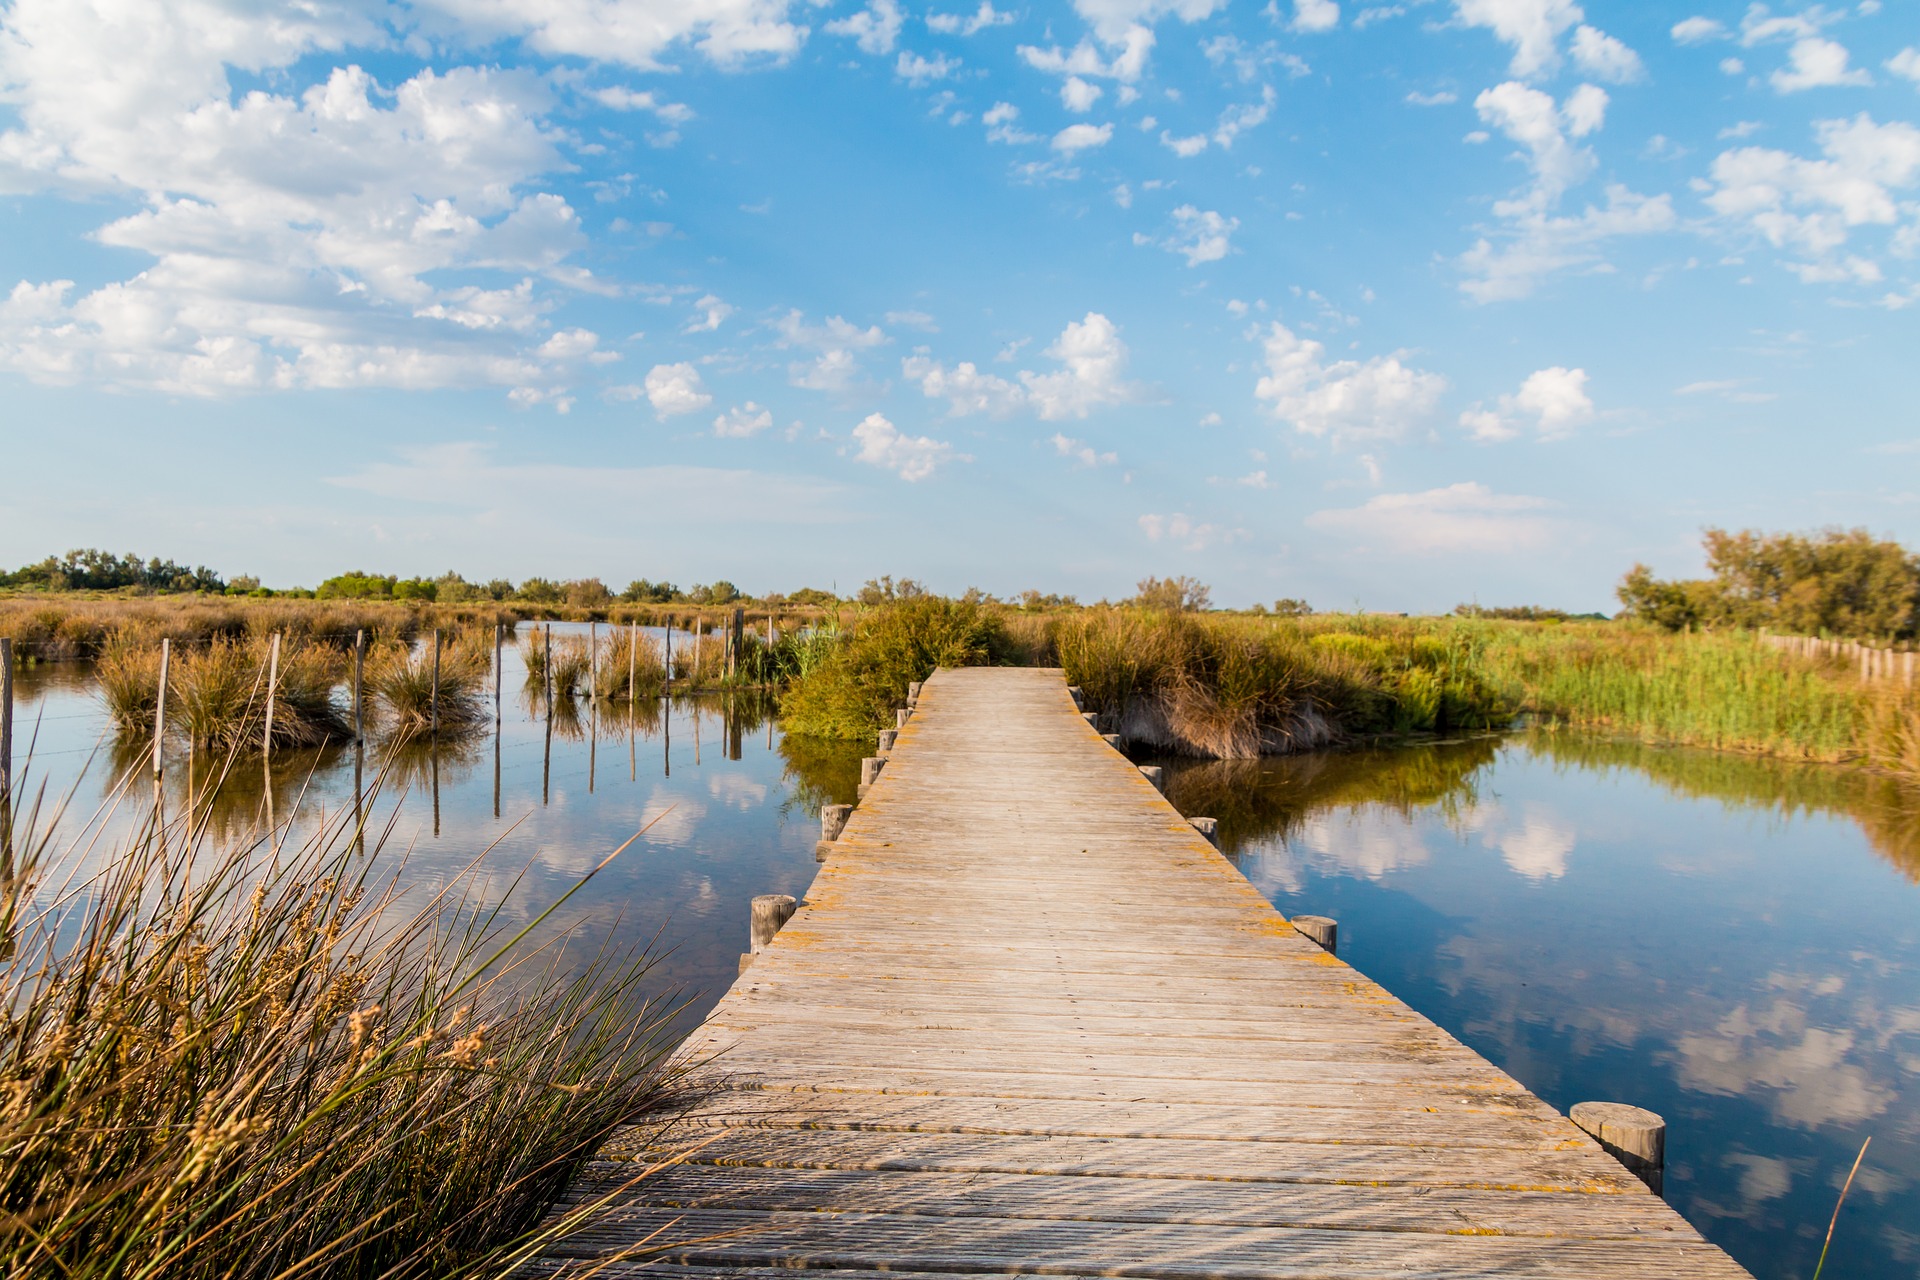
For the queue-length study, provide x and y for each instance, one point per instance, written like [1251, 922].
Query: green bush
[853, 691]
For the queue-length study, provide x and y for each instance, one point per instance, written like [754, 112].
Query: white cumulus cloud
[1605, 58]
[874, 29]
[1551, 402]
[675, 389]
[1194, 535]
[912, 458]
[1347, 400]
[1079, 95]
[984, 17]
[1817, 63]
[1092, 362]
[1080, 137]
[1199, 235]
[1315, 15]
[1532, 27]
[743, 421]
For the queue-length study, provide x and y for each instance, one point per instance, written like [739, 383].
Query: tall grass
[630, 668]
[259, 1062]
[400, 680]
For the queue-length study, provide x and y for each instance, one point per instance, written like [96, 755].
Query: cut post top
[770, 912]
[1322, 929]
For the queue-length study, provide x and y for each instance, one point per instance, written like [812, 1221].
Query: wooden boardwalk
[1028, 1021]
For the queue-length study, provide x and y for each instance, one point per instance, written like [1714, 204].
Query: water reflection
[1733, 942]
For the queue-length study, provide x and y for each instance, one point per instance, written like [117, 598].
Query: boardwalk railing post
[900, 717]
[1152, 773]
[160, 707]
[870, 773]
[1209, 828]
[1637, 1138]
[1322, 929]
[887, 738]
[913, 691]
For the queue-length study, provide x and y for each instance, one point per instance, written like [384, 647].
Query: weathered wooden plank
[1029, 1021]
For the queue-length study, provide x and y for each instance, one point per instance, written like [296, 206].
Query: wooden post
[1637, 1138]
[593, 658]
[434, 702]
[546, 665]
[1111, 739]
[1322, 929]
[900, 717]
[273, 681]
[887, 738]
[833, 820]
[769, 914]
[1077, 694]
[499, 639]
[913, 692]
[669, 648]
[699, 639]
[1152, 773]
[1092, 718]
[870, 773]
[6, 726]
[736, 640]
[1209, 828]
[633, 661]
[160, 707]
[359, 667]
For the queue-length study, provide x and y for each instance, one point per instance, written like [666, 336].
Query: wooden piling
[913, 692]
[1634, 1136]
[1091, 717]
[1111, 739]
[1322, 929]
[1078, 695]
[359, 670]
[736, 641]
[887, 738]
[1209, 828]
[633, 665]
[769, 912]
[870, 773]
[1152, 773]
[499, 640]
[833, 820]
[273, 681]
[160, 707]
[433, 727]
[900, 717]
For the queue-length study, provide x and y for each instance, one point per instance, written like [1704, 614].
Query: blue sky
[1394, 305]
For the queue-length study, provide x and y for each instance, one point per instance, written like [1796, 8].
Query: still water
[1733, 943]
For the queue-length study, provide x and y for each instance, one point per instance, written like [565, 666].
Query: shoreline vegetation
[1693, 662]
[242, 1057]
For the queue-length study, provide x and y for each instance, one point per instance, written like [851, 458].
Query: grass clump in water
[400, 680]
[630, 668]
[261, 1062]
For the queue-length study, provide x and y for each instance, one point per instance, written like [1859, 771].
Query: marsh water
[1731, 942]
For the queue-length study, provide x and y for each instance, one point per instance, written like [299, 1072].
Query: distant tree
[815, 597]
[242, 584]
[357, 585]
[641, 591]
[540, 591]
[883, 589]
[1173, 595]
[415, 589]
[1037, 601]
[588, 593]
[90, 569]
[723, 592]
[1288, 607]
[1837, 582]
[499, 588]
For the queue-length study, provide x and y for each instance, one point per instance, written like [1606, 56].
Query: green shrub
[853, 692]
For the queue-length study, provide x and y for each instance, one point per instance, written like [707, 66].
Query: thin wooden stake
[6, 722]
[434, 704]
[633, 662]
[499, 638]
[359, 687]
[273, 683]
[160, 707]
